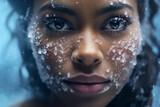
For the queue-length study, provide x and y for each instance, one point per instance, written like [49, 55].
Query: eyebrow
[59, 8]
[114, 7]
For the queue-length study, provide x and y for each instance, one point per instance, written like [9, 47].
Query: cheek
[50, 55]
[123, 52]
[122, 58]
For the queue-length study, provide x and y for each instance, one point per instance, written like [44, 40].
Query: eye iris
[59, 24]
[114, 24]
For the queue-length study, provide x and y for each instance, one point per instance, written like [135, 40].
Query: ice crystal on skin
[47, 15]
[108, 70]
[48, 67]
[111, 3]
[44, 51]
[40, 51]
[68, 75]
[126, 14]
[80, 38]
[59, 73]
[59, 50]
[60, 59]
[57, 85]
[119, 51]
[105, 89]
[98, 42]
[42, 58]
[77, 2]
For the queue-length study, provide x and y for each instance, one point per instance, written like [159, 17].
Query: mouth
[87, 85]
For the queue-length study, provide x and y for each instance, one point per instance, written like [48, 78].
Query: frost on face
[125, 50]
[77, 2]
[46, 50]
[123, 55]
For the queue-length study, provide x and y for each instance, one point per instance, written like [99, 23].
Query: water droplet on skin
[40, 51]
[60, 59]
[52, 78]
[50, 82]
[72, 91]
[119, 52]
[59, 66]
[126, 13]
[78, 41]
[45, 76]
[77, 2]
[68, 75]
[111, 3]
[113, 50]
[37, 17]
[123, 60]
[42, 58]
[108, 70]
[105, 89]
[59, 73]
[44, 51]
[142, 91]
[47, 15]
[55, 51]
[118, 58]
[29, 35]
[57, 80]
[48, 67]
[37, 43]
[113, 58]
[64, 87]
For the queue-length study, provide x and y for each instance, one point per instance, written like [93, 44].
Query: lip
[87, 85]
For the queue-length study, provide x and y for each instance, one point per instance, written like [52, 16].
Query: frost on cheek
[55, 82]
[122, 55]
[123, 52]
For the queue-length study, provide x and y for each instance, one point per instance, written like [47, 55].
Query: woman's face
[85, 49]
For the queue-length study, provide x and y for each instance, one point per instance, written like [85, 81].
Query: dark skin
[93, 37]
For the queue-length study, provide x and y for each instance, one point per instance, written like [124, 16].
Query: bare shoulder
[33, 103]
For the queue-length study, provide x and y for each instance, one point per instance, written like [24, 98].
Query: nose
[88, 53]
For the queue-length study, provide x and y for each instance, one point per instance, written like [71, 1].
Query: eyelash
[120, 21]
[51, 21]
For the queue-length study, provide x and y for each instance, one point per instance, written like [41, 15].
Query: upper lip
[91, 79]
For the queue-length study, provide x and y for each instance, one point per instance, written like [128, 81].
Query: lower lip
[86, 90]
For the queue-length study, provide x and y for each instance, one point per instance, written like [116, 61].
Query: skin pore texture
[94, 41]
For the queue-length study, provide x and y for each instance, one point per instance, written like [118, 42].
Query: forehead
[84, 4]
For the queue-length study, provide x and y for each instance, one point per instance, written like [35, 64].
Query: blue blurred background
[10, 90]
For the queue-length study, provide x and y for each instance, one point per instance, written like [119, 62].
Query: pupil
[59, 24]
[114, 25]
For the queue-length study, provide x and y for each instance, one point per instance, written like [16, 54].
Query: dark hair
[137, 91]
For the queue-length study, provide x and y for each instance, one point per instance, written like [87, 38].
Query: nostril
[79, 60]
[96, 60]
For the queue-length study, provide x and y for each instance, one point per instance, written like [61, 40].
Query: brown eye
[116, 24]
